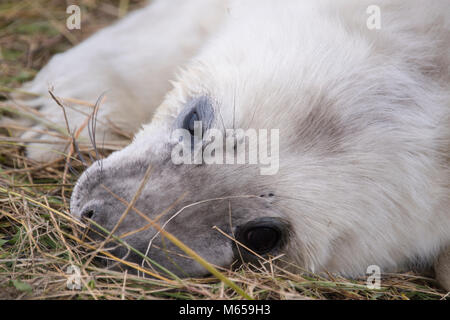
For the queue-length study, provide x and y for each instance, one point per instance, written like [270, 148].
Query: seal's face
[206, 206]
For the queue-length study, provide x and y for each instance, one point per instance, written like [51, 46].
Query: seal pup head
[360, 171]
[205, 206]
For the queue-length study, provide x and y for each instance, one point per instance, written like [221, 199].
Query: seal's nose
[87, 214]
[93, 210]
[94, 216]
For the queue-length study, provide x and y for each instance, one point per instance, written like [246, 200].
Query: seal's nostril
[87, 214]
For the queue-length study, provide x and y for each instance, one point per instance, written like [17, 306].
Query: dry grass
[39, 240]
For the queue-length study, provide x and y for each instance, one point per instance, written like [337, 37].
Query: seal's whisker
[91, 158]
[92, 124]
[101, 160]
[72, 169]
[78, 152]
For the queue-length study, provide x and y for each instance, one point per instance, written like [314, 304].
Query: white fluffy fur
[374, 188]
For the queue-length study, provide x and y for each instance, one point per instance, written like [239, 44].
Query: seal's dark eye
[263, 235]
[261, 239]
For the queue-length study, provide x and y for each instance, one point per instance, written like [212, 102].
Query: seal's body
[364, 129]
